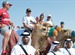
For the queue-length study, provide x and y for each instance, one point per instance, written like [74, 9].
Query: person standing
[68, 48]
[4, 24]
[24, 48]
[54, 50]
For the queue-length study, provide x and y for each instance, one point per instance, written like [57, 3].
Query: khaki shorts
[4, 29]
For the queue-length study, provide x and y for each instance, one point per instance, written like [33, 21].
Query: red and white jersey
[4, 17]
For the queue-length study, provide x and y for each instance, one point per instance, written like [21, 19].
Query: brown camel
[40, 37]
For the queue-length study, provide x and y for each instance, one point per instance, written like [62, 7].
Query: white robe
[64, 51]
[17, 50]
[57, 53]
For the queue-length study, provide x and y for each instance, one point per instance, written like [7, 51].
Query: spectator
[68, 48]
[24, 48]
[54, 50]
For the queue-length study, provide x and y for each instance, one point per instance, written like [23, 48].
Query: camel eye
[43, 28]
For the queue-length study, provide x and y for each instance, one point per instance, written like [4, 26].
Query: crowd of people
[24, 45]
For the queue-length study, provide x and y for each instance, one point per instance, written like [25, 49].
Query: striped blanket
[12, 41]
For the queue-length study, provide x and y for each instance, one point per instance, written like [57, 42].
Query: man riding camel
[4, 24]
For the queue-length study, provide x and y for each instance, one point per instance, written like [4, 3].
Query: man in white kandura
[54, 50]
[68, 48]
[24, 48]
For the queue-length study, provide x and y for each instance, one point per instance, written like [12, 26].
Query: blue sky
[61, 10]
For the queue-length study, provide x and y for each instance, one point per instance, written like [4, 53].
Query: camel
[63, 35]
[40, 36]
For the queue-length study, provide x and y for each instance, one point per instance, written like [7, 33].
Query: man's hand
[11, 23]
[31, 28]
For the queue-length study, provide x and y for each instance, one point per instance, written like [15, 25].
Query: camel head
[40, 30]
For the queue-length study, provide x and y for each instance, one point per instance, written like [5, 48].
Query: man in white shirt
[48, 20]
[24, 48]
[68, 48]
[28, 20]
[54, 50]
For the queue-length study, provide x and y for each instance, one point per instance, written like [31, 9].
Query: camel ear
[47, 24]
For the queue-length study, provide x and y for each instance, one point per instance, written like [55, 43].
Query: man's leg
[5, 40]
[6, 33]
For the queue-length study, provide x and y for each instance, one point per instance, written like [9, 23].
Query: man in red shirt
[4, 24]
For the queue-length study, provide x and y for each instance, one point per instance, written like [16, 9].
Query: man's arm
[25, 21]
[0, 12]
[25, 25]
[11, 23]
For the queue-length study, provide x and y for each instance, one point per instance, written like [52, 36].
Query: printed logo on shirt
[4, 13]
[22, 54]
[6, 19]
[30, 54]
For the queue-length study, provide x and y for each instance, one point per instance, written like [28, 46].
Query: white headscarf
[55, 43]
[67, 41]
[23, 34]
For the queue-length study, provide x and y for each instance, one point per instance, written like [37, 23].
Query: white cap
[50, 15]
